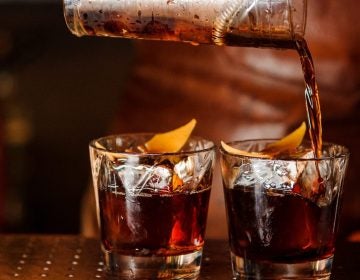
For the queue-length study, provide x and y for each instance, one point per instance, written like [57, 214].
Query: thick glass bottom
[185, 266]
[249, 269]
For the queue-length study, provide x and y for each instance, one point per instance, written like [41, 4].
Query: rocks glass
[152, 207]
[283, 213]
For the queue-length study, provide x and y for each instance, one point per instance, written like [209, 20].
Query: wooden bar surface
[54, 257]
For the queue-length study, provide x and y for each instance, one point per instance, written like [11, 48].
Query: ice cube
[263, 170]
[104, 176]
[160, 178]
[245, 175]
[284, 176]
[192, 169]
[139, 178]
[203, 162]
[185, 169]
[272, 175]
[133, 177]
[315, 182]
[280, 180]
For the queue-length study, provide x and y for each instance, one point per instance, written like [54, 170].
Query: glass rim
[139, 154]
[344, 154]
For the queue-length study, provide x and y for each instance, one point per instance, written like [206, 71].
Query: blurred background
[58, 91]
[49, 112]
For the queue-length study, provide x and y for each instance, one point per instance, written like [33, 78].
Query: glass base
[185, 266]
[248, 269]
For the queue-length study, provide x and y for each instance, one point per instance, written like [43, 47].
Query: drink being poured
[255, 23]
[312, 99]
[251, 23]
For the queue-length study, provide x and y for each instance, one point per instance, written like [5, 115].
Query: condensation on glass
[268, 23]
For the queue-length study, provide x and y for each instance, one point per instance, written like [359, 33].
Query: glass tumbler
[152, 207]
[283, 213]
[255, 23]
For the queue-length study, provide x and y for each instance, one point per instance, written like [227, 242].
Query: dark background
[49, 112]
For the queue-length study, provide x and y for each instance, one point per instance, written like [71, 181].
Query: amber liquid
[153, 224]
[312, 99]
[280, 228]
[168, 29]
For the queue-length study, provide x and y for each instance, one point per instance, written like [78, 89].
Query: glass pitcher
[255, 23]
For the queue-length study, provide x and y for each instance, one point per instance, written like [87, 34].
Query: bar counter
[54, 257]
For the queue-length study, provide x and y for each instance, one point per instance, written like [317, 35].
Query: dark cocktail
[283, 212]
[152, 206]
[153, 224]
[289, 229]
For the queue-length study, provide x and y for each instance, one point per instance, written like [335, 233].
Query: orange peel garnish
[171, 141]
[238, 152]
[287, 143]
[176, 182]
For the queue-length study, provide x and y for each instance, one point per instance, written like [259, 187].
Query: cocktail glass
[152, 207]
[283, 212]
